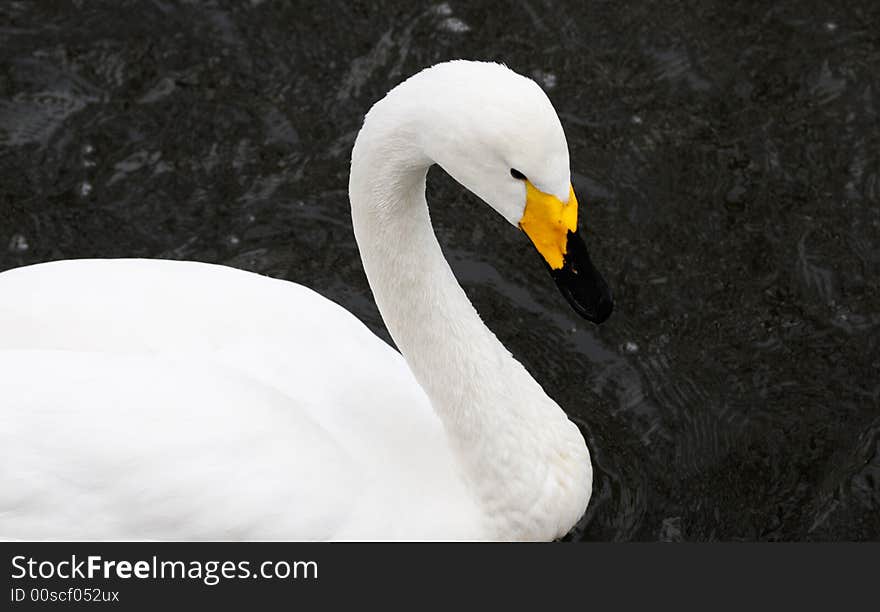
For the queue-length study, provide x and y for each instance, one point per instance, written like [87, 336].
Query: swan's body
[156, 399]
[249, 408]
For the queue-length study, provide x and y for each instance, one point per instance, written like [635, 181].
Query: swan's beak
[551, 225]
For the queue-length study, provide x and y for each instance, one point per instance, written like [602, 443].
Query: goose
[152, 399]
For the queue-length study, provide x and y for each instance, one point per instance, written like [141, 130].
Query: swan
[151, 399]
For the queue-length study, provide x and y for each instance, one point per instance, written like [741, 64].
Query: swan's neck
[526, 464]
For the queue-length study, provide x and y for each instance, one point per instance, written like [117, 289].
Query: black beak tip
[582, 285]
[595, 305]
[604, 308]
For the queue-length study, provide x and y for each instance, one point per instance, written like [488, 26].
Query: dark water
[727, 158]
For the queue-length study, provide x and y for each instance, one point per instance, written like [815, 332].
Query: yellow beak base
[547, 222]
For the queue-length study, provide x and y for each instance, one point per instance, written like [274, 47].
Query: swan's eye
[517, 174]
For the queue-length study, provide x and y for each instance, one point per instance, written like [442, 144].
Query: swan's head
[496, 133]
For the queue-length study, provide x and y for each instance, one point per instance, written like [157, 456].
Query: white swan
[166, 399]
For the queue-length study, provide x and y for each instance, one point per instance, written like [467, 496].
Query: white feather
[180, 400]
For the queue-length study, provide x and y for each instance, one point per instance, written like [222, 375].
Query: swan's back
[230, 405]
